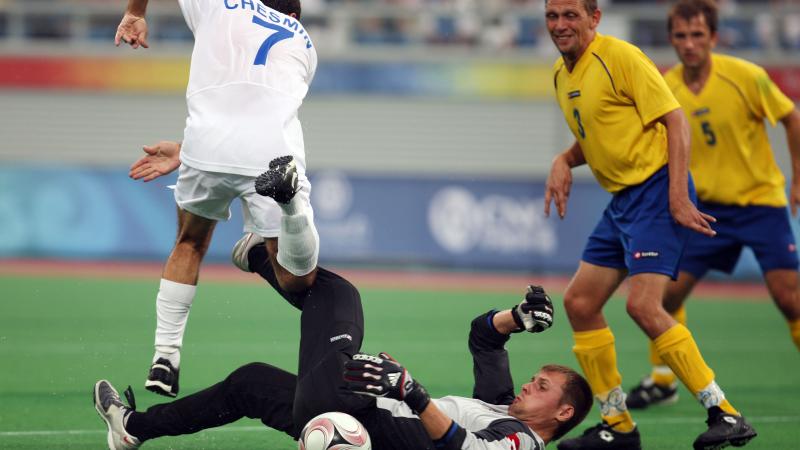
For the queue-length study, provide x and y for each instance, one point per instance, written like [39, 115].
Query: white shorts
[210, 194]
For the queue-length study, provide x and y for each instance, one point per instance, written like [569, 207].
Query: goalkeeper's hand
[535, 313]
[382, 376]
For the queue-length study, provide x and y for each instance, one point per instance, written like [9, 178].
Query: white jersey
[251, 68]
[488, 426]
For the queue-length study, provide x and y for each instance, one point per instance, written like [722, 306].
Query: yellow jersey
[611, 101]
[732, 161]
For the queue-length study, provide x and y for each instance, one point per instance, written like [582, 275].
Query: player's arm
[559, 181]
[132, 28]
[159, 159]
[681, 207]
[792, 124]
[383, 376]
[487, 337]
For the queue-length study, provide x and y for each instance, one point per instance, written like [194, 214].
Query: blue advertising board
[448, 222]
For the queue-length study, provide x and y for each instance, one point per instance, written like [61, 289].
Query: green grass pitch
[59, 335]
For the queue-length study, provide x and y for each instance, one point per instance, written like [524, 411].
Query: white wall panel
[352, 133]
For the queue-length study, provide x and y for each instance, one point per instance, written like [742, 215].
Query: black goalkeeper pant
[332, 329]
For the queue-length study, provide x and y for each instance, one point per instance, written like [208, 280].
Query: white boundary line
[250, 429]
[99, 430]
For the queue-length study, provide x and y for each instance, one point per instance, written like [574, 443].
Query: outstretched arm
[132, 29]
[792, 124]
[489, 333]
[159, 159]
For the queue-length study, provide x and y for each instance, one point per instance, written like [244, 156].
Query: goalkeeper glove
[535, 313]
[382, 376]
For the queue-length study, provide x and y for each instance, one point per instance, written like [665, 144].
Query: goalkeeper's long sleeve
[490, 366]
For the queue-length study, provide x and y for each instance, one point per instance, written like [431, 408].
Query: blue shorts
[765, 229]
[637, 231]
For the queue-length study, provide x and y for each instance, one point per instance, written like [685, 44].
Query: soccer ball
[334, 431]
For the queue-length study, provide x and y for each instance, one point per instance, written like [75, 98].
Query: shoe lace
[130, 398]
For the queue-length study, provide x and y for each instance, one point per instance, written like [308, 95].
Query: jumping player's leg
[175, 296]
[295, 252]
[289, 281]
[203, 198]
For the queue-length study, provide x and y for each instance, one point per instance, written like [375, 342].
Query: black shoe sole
[268, 183]
[279, 161]
[735, 442]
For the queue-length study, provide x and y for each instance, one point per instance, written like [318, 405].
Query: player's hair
[688, 9]
[284, 6]
[590, 5]
[576, 393]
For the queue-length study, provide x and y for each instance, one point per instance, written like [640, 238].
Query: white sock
[298, 241]
[711, 395]
[172, 311]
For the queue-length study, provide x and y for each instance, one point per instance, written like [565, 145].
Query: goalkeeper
[333, 376]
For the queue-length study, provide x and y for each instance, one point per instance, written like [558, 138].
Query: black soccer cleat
[114, 413]
[723, 430]
[602, 436]
[163, 378]
[280, 181]
[647, 393]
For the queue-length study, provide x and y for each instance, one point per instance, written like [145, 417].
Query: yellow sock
[679, 350]
[662, 375]
[794, 328]
[598, 358]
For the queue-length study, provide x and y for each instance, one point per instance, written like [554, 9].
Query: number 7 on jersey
[279, 35]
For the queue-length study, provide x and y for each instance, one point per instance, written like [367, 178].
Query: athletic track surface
[363, 278]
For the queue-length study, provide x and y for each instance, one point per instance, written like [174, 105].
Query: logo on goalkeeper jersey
[640, 255]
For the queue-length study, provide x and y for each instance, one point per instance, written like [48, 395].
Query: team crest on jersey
[574, 94]
[701, 112]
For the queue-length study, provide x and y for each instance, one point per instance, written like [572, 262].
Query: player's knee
[295, 284]
[578, 306]
[249, 372]
[640, 308]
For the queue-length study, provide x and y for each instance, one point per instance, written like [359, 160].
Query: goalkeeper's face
[540, 400]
